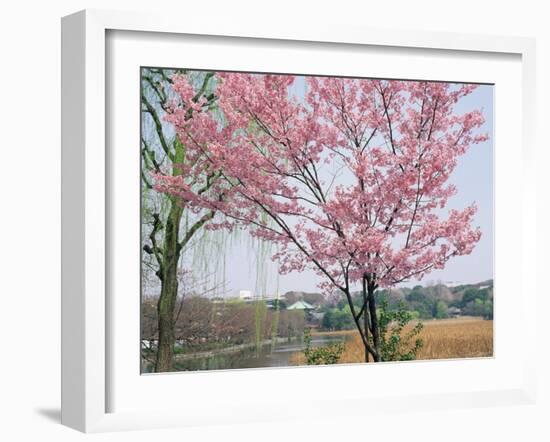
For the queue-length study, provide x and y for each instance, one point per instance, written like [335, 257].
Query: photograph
[288, 221]
[299, 220]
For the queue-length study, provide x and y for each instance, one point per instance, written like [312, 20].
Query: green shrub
[327, 354]
[395, 344]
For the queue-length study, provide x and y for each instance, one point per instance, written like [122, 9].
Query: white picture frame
[86, 315]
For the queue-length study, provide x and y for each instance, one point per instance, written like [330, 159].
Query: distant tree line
[422, 302]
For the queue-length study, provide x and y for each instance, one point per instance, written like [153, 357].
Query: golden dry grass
[442, 339]
[457, 338]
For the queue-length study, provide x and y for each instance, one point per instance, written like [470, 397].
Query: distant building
[454, 312]
[318, 316]
[246, 295]
[300, 305]
[453, 283]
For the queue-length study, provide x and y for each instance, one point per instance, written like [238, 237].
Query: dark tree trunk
[366, 328]
[366, 324]
[169, 291]
[375, 329]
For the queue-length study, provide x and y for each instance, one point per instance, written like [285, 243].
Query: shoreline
[229, 350]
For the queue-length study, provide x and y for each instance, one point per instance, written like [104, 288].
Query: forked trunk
[370, 322]
[375, 329]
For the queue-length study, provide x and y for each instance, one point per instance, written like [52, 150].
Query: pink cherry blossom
[350, 180]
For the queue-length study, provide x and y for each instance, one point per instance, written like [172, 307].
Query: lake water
[268, 356]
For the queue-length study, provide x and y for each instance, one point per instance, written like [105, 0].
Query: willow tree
[351, 180]
[164, 235]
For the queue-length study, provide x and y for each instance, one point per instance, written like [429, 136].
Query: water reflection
[266, 356]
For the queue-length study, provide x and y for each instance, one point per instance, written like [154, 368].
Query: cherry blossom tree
[350, 179]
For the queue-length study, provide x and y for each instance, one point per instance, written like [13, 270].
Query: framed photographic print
[251, 211]
[289, 220]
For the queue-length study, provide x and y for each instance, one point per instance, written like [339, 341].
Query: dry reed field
[457, 338]
[466, 337]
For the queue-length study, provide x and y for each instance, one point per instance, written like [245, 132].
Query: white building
[245, 294]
